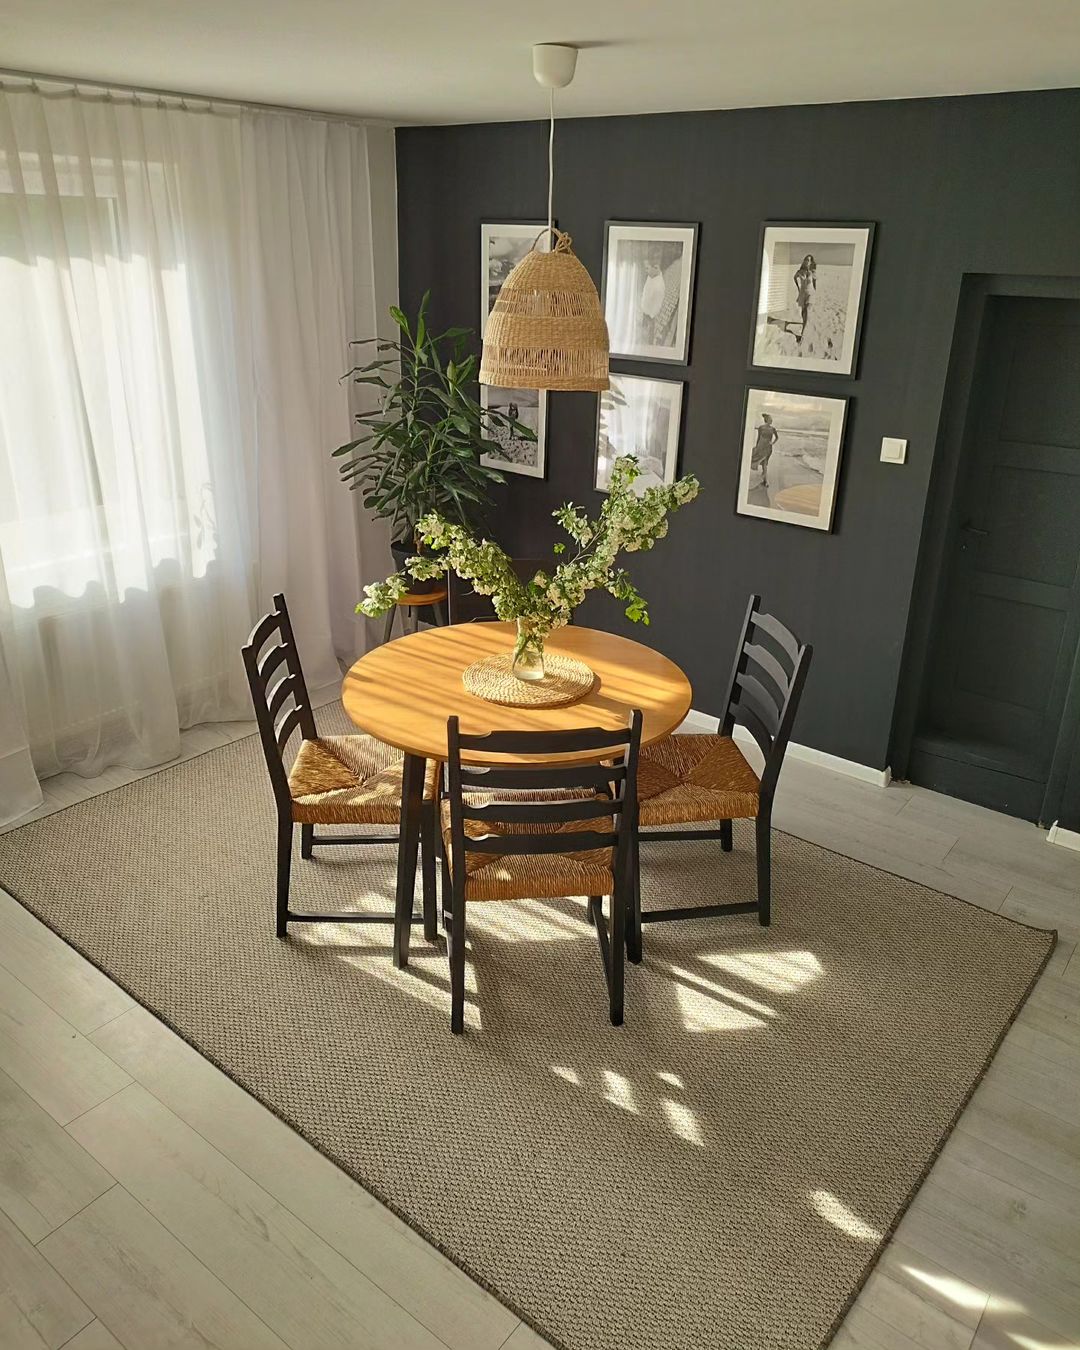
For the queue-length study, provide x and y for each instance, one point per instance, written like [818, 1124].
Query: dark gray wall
[987, 184]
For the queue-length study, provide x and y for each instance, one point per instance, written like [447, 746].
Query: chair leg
[307, 840]
[617, 949]
[457, 962]
[591, 900]
[633, 918]
[725, 836]
[427, 864]
[388, 628]
[763, 830]
[412, 811]
[284, 864]
[447, 892]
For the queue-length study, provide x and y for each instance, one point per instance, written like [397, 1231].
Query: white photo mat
[790, 457]
[639, 415]
[648, 289]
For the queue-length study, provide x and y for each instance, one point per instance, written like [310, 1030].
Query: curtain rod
[70, 85]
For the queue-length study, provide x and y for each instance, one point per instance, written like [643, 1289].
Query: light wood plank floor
[147, 1201]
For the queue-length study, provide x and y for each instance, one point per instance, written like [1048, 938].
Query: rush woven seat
[687, 778]
[534, 876]
[349, 780]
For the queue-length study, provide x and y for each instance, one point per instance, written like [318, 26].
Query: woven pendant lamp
[546, 330]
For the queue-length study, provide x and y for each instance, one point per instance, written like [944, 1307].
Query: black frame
[695, 228]
[507, 465]
[867, 225]
[633, 375]
[763, 693]
[846, 400]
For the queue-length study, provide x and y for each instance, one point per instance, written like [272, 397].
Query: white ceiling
[468, 60]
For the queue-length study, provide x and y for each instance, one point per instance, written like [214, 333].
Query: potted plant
[418, 454]
[628, 521]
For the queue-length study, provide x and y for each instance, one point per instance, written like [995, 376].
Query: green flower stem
[627, 523]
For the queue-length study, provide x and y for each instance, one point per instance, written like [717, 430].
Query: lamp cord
[551, 165]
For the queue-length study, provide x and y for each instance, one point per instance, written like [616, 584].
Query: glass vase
[528, 663]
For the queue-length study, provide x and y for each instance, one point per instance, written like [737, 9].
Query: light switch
[893, 450]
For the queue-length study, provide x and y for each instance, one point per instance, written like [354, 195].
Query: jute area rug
[720, 1172]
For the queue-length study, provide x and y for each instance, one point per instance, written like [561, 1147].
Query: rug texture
[720, 1172]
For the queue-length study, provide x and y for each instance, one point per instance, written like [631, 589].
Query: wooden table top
[403, 691]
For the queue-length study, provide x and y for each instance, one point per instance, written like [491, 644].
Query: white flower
[627, 523]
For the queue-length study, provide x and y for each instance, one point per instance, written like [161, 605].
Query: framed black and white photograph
[791, 457]
[648, 289]
[502, 247]
[639, 416]
[811, 293]
[529, 407]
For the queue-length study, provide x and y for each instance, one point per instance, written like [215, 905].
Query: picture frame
[647, 289]
[502, 246]
[810, 296]
[789, 462]
[529, 407]
[639, 415]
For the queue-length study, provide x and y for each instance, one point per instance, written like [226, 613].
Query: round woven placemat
[492, 678]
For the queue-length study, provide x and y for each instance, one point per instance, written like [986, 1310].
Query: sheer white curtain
[178, 287]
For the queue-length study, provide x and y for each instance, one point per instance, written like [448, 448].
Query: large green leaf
[420, 450]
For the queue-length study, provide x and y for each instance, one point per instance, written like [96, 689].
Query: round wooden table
[403, 692]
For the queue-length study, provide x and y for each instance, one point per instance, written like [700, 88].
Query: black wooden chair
[465, 606]
[685, 779]
[334, 780]
[537, 830]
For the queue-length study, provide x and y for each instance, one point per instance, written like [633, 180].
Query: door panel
[1010, 609]
[1032, 523]
[988, 672]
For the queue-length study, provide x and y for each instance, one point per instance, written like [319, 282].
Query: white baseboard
[702, 722]
[1063, 838]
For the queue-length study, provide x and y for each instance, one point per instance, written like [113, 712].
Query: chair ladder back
[625, 848]
[457, 802]
[615, 806]
[775, 759]
[303, 701]
[280, 701]
[765, 687]
[727, 721]
[486, 778]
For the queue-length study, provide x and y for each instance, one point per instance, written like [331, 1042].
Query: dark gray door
[1005, 650]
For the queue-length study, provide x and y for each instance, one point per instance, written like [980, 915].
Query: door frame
[976, 291]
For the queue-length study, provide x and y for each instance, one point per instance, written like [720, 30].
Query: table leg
[412, 800]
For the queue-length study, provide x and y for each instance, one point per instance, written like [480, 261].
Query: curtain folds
[179, 289]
